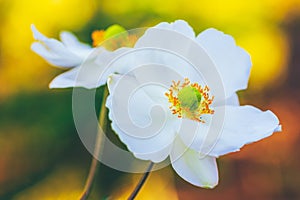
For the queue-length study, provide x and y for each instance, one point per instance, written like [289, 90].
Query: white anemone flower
[86, 64]
[67, 53]
[190, 105]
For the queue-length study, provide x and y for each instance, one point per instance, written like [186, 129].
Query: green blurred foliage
[33, 136]
[41, 151]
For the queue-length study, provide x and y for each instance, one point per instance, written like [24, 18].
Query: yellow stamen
[189, 100]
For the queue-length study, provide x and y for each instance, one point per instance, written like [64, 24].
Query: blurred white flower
[67, 53]
[190, 107]
[87, 64]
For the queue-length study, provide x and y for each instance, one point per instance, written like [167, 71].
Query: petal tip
[278, 128]
[36, 34]
[52, 84]
[210, 186]
[34, 31]
[181, 21]
[32, 27]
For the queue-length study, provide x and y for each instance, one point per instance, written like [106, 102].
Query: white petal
[155, 149]
[65, 80]
[195, 169]
[122, 89]
[278, 129]
[149, 134]
[38, 35]
[169, 50]
[228, 129]
[86, 75]
[180, 26]
[233, 100]
[200, 136]
[243, 125]
[74, 45]
[92, 73]
[135, 102]
[53, 51]
[184, 56]
[64, 60]
[108, 62]
[233, 63]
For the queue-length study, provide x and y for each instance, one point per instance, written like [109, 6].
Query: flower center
[189, 100]
[189, 97]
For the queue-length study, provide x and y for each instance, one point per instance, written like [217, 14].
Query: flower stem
[98, 147]
[141, 182]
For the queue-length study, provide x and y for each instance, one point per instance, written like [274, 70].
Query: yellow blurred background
[36, 129]
[256, 25]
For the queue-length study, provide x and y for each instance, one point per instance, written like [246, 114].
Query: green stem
[97, 150]
[141, 182]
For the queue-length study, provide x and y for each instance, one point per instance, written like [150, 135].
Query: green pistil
[189, 97]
